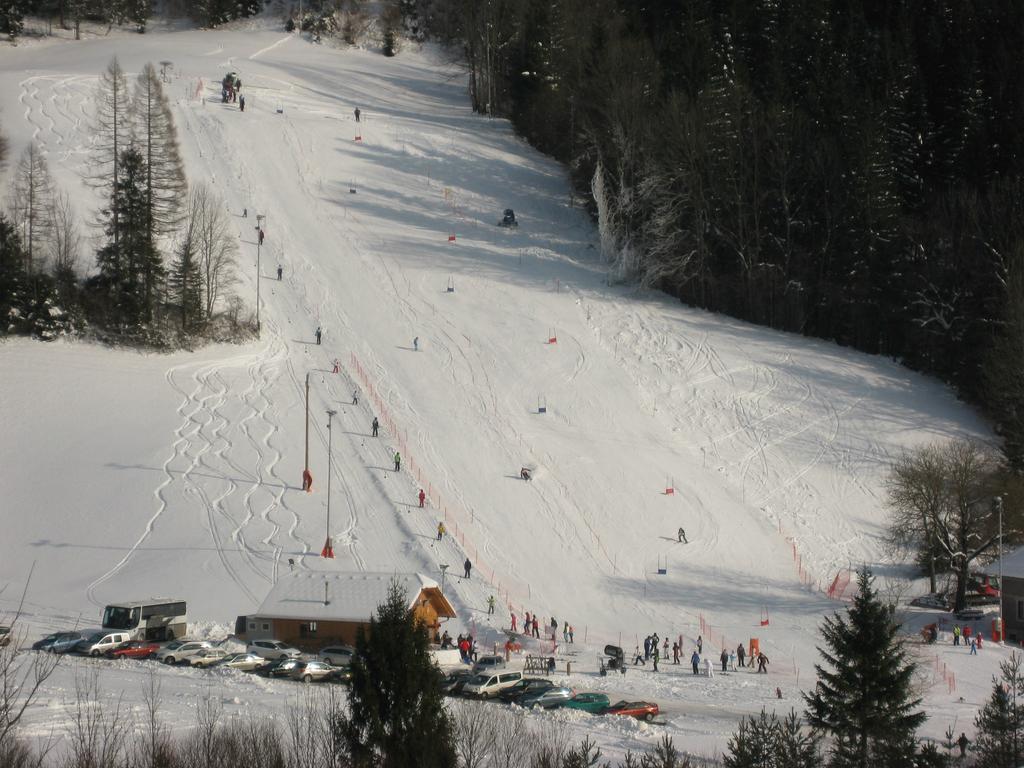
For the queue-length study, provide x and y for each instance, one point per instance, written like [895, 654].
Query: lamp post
[328, 550]
[444, 568]
[259, 243]
[998, 501]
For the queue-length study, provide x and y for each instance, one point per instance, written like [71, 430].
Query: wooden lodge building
[313, 609]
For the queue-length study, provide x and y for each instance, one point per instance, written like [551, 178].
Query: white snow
[128, 473]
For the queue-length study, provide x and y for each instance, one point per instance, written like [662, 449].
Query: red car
[641, 710]
[139, 649]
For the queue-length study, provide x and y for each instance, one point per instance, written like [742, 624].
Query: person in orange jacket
[423, 497]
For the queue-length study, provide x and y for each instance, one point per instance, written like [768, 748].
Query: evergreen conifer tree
[767, 741]
[185, 284]
[863, 698]
[12, 277]
[130, 265]
[397, 717]
[111, 135]
[1000, 723]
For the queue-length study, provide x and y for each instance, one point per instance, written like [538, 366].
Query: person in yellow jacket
[441, 531]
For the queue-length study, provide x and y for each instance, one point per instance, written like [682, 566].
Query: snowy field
[127, 474]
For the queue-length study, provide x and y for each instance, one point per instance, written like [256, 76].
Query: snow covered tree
[863, 698]
[767, 742]
[916, 488]
[12, 277]
[111, 135]
[12, 17]
[3, 150]
[1000, 723]
[157, 139]
[31, 205]
[396, 715]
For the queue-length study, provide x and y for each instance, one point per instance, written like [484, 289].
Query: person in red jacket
[423, 497]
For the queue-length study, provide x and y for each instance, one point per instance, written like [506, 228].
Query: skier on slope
[468, 566]
[682, 536]
[422, 497]
[524, 473]
[375, 426]
[398, 462]
[440, 531]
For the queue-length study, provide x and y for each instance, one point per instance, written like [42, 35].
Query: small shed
[1012, 588]
[313, 609]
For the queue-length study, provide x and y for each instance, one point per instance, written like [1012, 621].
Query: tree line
[136, 291]
[69, 14]
[844, 169]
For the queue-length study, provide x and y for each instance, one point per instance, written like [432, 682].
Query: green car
[594, 703]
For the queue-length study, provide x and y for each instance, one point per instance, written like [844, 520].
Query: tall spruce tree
[131, 269]
[397, 717]
[767, 742]
[1000, 723]
[12, 278]
[185, 282]
[863, 698]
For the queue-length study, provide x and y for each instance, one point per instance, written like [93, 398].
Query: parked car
[246, 662]
[5, 635]
[308, 671]
[337, 655]
[137, 649]
[487, 686]
[280, 667]
[526, 685]
[341, 675]
[487, 663]
[454, 682]
[99, 643]
[932, 600]
[272, 649]
[181, 650]
[970, 614]
[207, 657]
[58, 642]
[594, 703]
[642, 710]
[552, 697]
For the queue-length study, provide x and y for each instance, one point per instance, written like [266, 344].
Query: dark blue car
[58, 642]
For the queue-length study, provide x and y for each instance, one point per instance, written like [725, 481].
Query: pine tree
[130, 266]
[12, 17]
[12, 278]
[767, 742]
[31, 204]
[158, 141]
[863, 698]
[397, 717]
[111, 135]
[1000, 723]
[185, 282]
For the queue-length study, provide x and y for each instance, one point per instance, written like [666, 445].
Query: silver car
[337, 655]
[308, 671]
[548, 699]
[273, 649]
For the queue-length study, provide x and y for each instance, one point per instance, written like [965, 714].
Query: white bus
[154, 619]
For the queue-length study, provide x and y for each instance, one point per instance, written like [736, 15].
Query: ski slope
[129, 474]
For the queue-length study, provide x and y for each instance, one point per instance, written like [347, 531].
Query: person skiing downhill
[682, 536]
[524, 473]
[440, 531]
[695, 661]
[261, 236]
[356, 112]
[490, 604]
[241, 103]
[375, 426]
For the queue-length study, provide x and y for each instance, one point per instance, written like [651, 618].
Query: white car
[208, 657]
[337, 655]
[246, 662]
[487, 685]
[98, 643]
[181, 650]
[273, 649]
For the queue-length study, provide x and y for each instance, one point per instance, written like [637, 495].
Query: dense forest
[844, 169]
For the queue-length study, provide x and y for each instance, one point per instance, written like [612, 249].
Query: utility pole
[999, 508]
[259, 243]
[328, 550]
[307, 478]
[444, 570]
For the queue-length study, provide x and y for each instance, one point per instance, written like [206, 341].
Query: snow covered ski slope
[128, 474]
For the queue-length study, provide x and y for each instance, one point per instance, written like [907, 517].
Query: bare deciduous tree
[98, 729]
[111, 131]
[31, 205]
[158, 142]
[215, 248]
[474, 735]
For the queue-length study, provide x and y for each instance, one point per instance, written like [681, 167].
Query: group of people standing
[656, 649]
